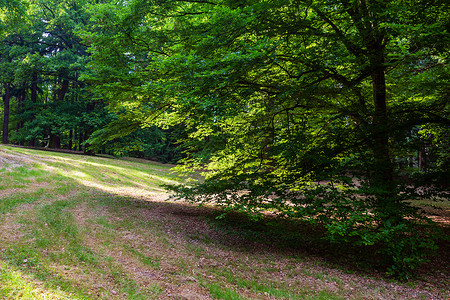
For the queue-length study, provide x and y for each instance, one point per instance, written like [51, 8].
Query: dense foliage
[44, 101]
[331, 112]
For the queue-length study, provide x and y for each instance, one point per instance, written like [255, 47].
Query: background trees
[10, 13]
[45, 103]
[44, 53]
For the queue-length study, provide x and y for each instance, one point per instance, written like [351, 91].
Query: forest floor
[85, 227]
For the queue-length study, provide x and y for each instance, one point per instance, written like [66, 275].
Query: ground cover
[84, 227]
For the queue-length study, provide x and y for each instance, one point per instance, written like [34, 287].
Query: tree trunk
[21, 110]
[382, 170]
[63, 90]
[54, 142]
[55, 138]
[86, 146]
[80, 139]
[70, 139]
[380, 122]
[373, 38]
[6, 100]
[33, 98]
[33, 91]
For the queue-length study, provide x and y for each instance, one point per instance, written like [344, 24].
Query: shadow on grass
[281, 236]
[187, 223]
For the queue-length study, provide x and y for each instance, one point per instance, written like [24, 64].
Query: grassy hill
[84, 227]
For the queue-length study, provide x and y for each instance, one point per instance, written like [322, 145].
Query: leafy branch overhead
[305, 108]
[331, 112]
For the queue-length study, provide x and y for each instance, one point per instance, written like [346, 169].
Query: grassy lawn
[84, 227]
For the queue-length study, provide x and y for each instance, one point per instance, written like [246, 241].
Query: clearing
[84, 227]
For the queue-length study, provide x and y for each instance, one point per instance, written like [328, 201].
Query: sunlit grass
[79, 227]
[14, 284]
[122, 177]
[47, 242]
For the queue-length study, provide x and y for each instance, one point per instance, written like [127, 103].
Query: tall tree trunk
[55, 138]
[88, 128]
[80, 139]
[382, 176]
[86, 146]
[75, 134]
[55, 141]
[63, 90]
[380, 122]
[373, 37]
[6, 100]
[21, 110]
[34, 82]
[70, 139]
[20, 106]
[33, 98]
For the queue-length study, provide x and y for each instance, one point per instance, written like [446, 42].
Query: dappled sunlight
[100, 229]
[17, 285]
[118, 181]
[133, 179]
[117, 172]
[156, 194]
[78, 174]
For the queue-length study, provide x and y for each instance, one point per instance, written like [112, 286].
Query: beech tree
[301, 107]
[331, 112]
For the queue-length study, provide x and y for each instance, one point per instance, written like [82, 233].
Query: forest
[333, 114]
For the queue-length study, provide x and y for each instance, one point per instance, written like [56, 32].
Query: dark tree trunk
[381, 132]
[63, 90]
[80, 140]
[33, 98]
[55, 138]
[382, 170]
[88, 128]
[21, 106]
[21, 110]
[21, 123]
[70, 139]
[374, 38]
[75, 134]
[6, 100]
[34, 81]
[54, 142]
[86, 146]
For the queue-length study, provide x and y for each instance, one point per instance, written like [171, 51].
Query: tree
[41, 59]
[287, 102]
[10, 11]
[6, 101]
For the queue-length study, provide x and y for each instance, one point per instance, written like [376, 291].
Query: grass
[10, 202]
[83, 227]
[146, 260]
[16, 285]
[219, 292]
